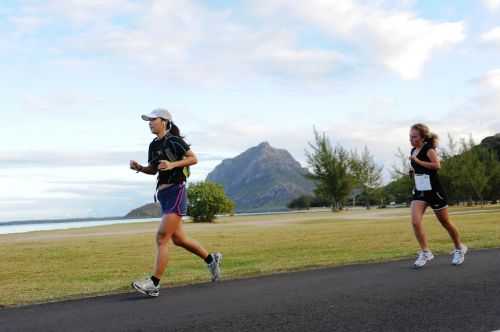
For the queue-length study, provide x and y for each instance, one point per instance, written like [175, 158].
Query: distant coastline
[56, 221]
[24, 226]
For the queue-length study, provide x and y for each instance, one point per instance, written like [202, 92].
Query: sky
[77, 75]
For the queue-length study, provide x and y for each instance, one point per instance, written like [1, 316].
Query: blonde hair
[426, 134]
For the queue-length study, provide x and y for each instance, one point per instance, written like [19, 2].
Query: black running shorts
[435, 199]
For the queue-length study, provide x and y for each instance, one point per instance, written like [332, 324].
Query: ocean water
[47, 225]
[23, 227]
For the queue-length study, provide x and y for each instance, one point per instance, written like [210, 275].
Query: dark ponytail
[173, 129]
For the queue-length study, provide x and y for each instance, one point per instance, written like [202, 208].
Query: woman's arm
[434, 163]
[150, 169]
[189, 159]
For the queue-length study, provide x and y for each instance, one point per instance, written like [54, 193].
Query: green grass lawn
[52, 265]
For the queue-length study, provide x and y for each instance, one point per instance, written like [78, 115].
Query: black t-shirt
[171, 148]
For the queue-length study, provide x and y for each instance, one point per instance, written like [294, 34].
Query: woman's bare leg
[444, 219]
[180, 239]
[417, 213]
[168, 226]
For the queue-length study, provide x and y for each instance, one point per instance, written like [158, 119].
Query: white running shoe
[214, 267]
[422, 258]
[147, 287]
[459, 255]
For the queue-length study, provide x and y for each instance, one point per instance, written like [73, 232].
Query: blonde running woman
[428, 191]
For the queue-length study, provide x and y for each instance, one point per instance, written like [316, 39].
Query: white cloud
[486, 105]
[492, 4]
[60, 192]
[209, 47]
[492, 36]
[26, 23]
[479, 115]
[183, 40]
[78, 184]
[188, 41]
[62, 102]
[300, 63]
[490, 80]
[81, 12]
[79, 158]
[48, 158]
[398, 39]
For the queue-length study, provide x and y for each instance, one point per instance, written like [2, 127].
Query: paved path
[372, 297]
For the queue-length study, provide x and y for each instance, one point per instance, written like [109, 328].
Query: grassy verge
[46, 266]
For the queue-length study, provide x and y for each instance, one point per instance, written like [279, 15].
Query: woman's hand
[165, 165]
[434, 163]
[135, 165]
[414, 158]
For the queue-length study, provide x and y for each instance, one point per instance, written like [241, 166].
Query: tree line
[340, 175]
[470, 174]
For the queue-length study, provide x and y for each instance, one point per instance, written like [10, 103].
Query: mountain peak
[262, 177]
[492, 142]
[264, 145]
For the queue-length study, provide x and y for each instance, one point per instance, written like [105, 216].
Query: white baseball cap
[157, 113]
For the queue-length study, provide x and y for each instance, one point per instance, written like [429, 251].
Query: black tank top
[419, 169]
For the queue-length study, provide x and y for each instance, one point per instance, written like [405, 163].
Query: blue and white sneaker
[146, 287]
[459, 255]
[214, 267]
[422, 259]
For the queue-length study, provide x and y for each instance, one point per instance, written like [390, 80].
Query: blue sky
[78, 74]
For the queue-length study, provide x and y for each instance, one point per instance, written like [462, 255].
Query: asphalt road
[370, 297]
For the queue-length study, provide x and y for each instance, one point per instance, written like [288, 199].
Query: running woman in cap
[428, 192]
[170, 156]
